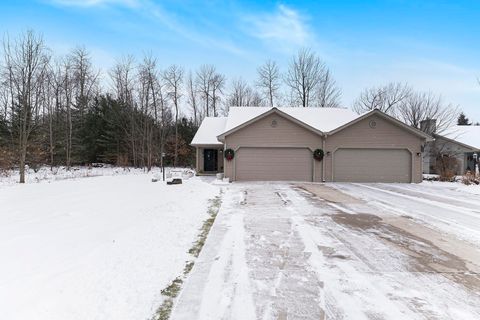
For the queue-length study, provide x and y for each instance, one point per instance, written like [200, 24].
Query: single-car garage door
[372, 165]
[273, 164]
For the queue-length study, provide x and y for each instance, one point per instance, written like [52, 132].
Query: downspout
[324, 138]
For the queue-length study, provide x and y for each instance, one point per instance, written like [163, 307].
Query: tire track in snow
[455, 208]
[462, 222]
[227, 294]
[434, 196]
[384, 272]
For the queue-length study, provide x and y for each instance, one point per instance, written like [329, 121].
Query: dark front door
[210, 160]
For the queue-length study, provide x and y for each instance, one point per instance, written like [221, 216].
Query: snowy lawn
[95, 248]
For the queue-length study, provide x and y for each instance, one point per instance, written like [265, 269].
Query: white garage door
[372, 165]
[273, 164]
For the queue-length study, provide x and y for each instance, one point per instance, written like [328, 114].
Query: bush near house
[446, 166]
[470, 178]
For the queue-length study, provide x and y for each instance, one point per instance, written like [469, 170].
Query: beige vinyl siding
[385, 135]
[274, 164]
[285, 135]
[372, 165]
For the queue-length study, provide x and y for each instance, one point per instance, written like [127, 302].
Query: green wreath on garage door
[318, 154]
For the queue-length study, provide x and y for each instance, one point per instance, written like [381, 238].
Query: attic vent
[274, 123]
[372, 124]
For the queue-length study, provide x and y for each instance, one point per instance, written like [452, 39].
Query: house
[309, 144]
[459, 142]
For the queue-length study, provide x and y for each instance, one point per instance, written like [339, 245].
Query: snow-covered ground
[94, 248]
[310, 251]
[453, 208]
[437, 186]
[103, 247]
[47, 174]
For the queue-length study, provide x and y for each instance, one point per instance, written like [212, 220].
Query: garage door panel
[273, 164]
[372, 165]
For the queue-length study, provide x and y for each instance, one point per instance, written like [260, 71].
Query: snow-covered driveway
[309, 251]
[95, 248]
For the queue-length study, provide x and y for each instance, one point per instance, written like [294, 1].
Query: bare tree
[174, 78]
[217, 84]
[385, 98]
[304, 74]
[123, 85]
[419, 106]
[51, 102]
[85, 78]
[4, 99]
[26, 63]
[68, 88]
[269, 80]
[146, 101]
[242, 95]
[192, 97]
[204, 81]
[123, 79]
[328, 94]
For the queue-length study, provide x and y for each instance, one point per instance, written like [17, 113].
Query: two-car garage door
[372, 165]
[273, 164]
[349, 165]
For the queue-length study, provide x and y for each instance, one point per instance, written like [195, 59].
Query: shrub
[446, 167]
[470, 178]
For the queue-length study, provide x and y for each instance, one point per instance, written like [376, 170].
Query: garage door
[273, 164]
[372, 165]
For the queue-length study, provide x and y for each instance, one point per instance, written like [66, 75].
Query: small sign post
[163, 165]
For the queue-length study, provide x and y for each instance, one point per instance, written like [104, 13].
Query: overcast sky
[433, 45]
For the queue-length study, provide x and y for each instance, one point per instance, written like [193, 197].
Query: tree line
[61, 110]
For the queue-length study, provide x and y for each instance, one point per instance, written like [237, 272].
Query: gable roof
[323, 121]
[267, 111]
[468, 136]
[208, 131]
[387, 117]
[319, 119]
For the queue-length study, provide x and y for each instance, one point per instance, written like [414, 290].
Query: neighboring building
[460, 142]
[278, 144]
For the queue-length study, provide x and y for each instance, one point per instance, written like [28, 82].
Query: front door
[210, 160]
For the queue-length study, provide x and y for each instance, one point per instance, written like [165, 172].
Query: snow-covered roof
[322, 119]
[209, 130]
[469, 135]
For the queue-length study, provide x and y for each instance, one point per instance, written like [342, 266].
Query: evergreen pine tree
[463, 120]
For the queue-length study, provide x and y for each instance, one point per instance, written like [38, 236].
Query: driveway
[337, 251]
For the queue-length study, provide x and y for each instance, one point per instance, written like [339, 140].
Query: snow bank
[98, 248]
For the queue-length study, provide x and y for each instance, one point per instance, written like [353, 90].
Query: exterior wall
[283, 135]
[384, 135]
[442, 146]
[199, 158]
